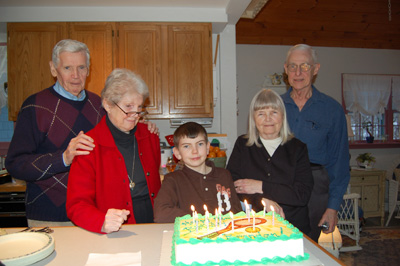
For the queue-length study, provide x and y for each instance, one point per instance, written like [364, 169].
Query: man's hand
[330, 216]
[277, 208]
[80, 145]
[152, 127]
[248, 186]
[114, 219]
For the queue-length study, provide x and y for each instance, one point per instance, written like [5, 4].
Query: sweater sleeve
[25, 159]
[166, 204]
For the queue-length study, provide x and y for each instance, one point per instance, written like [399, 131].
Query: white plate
[25, 248]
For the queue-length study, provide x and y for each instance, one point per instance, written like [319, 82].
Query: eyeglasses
[305, 67]
[132, 113]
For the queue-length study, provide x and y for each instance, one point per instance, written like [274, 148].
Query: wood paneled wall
[329, 23]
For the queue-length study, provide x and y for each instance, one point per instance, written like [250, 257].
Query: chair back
[396, 173]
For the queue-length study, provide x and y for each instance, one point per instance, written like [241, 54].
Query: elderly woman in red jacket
[118, 180]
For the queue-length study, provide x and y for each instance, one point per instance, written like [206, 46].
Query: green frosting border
[296, 235]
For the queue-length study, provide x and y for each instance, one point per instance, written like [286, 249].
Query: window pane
[361, 124]
[396, 126]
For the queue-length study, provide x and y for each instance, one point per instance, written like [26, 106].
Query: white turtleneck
[271, 144]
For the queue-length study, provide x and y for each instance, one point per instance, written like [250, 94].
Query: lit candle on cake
[254, 220]
[192, 207]
[220, 217]
[273, 215]
[233, 228]
[197, 222]
[206, 217]
[263, 203]
[216, 218]
[247, 209]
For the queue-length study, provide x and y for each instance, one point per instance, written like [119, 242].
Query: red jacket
[99, 181]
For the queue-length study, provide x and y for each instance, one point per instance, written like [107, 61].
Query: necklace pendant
[132, 184]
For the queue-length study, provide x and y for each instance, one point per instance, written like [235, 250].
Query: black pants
[319, 200]
[143, 209]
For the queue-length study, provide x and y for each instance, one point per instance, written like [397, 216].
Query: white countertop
[73, 245]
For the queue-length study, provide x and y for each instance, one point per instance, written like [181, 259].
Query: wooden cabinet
[140, 50]
[190, 71]
[174, 59]
[370, 185]
[98, 36]
[29, 48]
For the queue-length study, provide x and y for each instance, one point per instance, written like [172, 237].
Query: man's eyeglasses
[305, 67]
[132, 113]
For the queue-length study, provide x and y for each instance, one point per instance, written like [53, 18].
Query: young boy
[197, 183]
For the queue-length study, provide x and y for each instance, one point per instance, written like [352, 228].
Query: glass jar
[171, 165]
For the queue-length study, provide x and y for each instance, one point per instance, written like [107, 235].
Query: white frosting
[203, 252]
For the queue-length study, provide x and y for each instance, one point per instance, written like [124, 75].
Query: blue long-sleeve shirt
[321, 124]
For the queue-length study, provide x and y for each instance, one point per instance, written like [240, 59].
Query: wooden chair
[394, 201]
[349, 222]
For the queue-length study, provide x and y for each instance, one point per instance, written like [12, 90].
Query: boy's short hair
[189, 130]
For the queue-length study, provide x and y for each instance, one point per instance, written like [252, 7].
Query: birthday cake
[253, 239]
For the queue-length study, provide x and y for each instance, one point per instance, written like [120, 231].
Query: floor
[376, 221]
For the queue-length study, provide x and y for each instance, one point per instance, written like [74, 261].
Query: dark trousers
[143, 209]
[319, 200]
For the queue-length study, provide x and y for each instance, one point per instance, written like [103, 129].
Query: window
[372, 102]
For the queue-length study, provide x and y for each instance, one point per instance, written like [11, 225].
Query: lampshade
[350, 132]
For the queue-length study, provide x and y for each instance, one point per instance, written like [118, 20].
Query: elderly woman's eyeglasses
[132, 113]
[305, 67]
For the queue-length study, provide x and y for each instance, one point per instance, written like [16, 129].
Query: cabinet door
[190, 70]
[98, 36]
[29, 51]
[139, 50]
[371, 199]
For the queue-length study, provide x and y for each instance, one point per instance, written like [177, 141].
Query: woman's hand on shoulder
[114, 220]
[277, 208]
[248, 186]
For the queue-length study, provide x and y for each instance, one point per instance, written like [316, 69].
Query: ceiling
[219, 12]
[330, 23]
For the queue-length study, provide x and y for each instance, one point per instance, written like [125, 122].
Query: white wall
[256, 62]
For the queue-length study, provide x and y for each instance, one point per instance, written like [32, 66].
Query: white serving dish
[25, 248]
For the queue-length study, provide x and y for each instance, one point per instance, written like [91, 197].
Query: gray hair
[122, 81]
[71, 46]
[263, 99]
[303, 47]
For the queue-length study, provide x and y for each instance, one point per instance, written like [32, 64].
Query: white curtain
[396, 93]
[366, 94]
